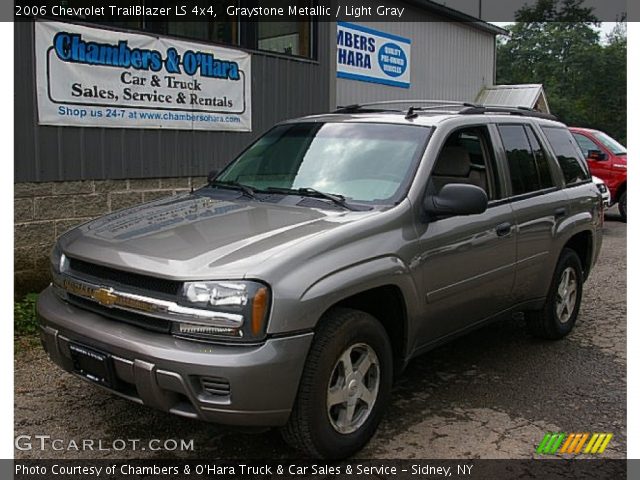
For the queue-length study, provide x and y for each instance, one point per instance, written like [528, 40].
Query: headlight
[59, 261]
[216, 294]
[246, 303]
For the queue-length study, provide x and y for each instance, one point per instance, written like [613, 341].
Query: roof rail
[415, 106]
[523, 111]
[361, 106]
[355, 108]
[441, 106]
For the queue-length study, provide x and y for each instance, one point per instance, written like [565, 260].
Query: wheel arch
[387, 304]
[582, 243]
[383, 287]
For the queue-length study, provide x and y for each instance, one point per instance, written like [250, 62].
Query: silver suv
[294, 287]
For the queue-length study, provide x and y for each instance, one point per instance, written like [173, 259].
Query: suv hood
[198, 237]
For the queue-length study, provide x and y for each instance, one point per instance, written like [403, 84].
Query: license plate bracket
[93, 364]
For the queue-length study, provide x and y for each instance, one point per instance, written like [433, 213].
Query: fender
[583, 222]
[356, 278]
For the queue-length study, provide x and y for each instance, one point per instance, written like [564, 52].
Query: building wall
[45, 210]
[449, 61]
[68, 175]
[281, 88]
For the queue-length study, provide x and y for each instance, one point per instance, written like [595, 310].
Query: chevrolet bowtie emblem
[104, 296]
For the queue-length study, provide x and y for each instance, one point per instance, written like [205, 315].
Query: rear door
[539, 205]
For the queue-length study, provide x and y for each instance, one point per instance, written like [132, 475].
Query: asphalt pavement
[492, 394]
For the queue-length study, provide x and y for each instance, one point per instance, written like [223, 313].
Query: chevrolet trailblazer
[291, 289]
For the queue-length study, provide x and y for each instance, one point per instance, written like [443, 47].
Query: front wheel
[345, 386]
[558, 316]
[622, 206]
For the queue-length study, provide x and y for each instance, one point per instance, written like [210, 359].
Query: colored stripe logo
[573, 443]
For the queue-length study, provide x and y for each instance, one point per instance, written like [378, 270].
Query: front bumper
[165, 372]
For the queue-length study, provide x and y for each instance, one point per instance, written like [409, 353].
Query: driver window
[466, 157]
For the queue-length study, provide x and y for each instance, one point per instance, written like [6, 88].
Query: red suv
[608, 160]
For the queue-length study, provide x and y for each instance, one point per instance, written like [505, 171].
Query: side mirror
[596, 155]
[211, 176]
[456, 199]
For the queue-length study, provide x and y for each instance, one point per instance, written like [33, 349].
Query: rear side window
[568, 154]
[542, 162]
[522, 163]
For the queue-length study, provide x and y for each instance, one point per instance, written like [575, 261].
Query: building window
[218, 32]
[295, 38]
[289, 38]
[208, 31]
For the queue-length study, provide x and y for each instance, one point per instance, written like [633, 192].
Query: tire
[314, 426]
[622, 206]
[553, 322]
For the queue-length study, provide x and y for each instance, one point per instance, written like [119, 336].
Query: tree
[555, 42]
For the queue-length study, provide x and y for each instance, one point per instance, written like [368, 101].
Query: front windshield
[613, 146]
[363, 162]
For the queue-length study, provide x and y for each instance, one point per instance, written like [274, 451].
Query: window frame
[494, 168]
[253, 40]
[557, 162]
[403, 189]
[529, 131]
[508, 163]
[556, 174]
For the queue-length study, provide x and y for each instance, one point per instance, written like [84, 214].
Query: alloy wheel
[566, 295]
[353, 388]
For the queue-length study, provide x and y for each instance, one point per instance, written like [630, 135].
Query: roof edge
[457, 15]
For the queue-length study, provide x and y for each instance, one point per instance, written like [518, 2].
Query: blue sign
[369, 55]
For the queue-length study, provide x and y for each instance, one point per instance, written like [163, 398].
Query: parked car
[292, 289]
[604, 190]
[608, 160]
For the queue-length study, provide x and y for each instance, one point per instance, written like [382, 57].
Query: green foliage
[24, 315]
[584, 79]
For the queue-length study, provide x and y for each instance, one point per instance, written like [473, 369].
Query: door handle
[560, 212]
[503, 229]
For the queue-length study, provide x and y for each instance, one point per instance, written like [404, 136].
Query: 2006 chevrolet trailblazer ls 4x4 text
[292, 288]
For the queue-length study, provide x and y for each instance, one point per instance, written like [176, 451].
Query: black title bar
[289, 10]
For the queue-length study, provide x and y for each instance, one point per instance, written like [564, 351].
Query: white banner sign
[373, 56]
[91, 77]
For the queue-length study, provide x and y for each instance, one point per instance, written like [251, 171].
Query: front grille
[143, 321]
[216, 386]
[107, 275]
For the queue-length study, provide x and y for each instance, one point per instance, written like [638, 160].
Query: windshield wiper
[248, 191]
[312, 192]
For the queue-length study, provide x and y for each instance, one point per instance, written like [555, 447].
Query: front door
[467, 262]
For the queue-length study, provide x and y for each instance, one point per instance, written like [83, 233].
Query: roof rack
[415, 106]
[523, 111]
[441, 106]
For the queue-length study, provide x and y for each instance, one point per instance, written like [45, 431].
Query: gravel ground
[492, 394]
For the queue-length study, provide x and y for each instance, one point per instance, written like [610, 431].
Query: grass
[24, 315]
